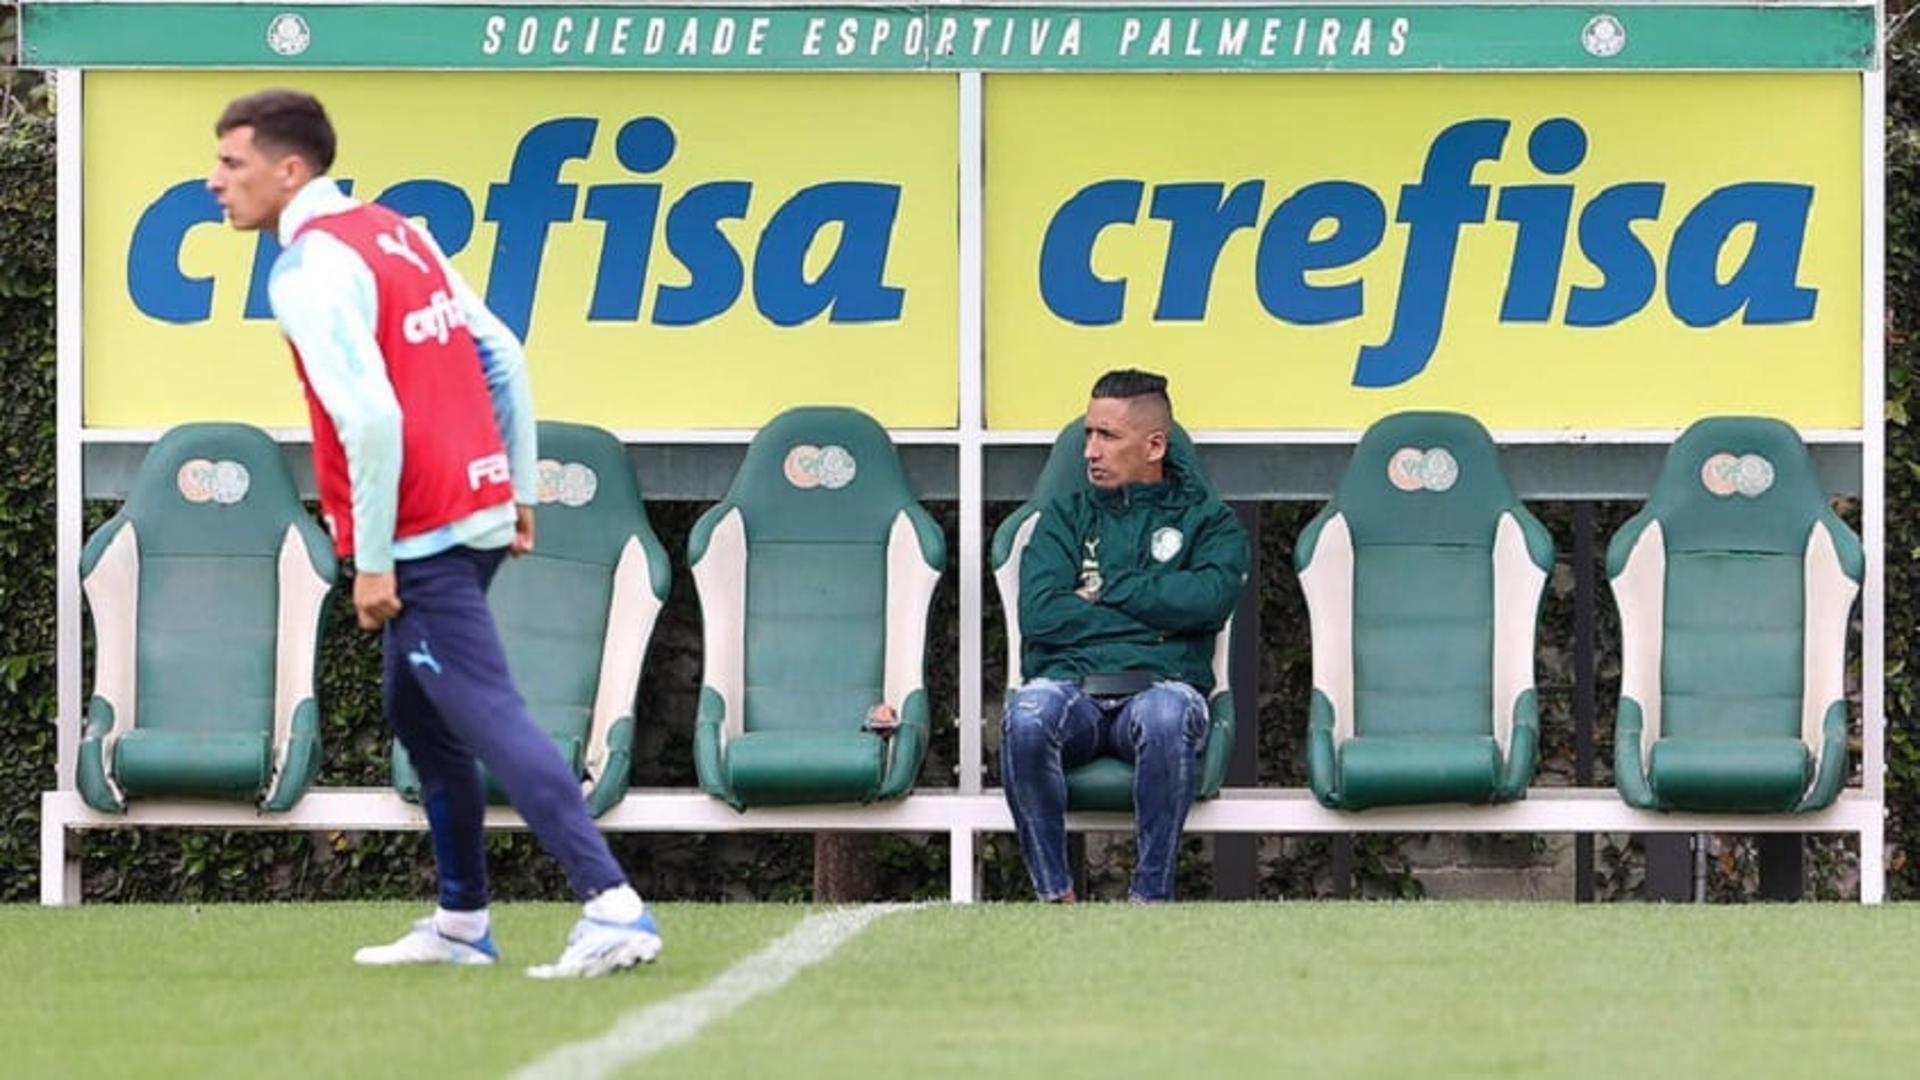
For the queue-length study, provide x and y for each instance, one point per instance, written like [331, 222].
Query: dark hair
[1133, 383]
[284, 121]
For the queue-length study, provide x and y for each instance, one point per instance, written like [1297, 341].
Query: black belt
[1116, 683]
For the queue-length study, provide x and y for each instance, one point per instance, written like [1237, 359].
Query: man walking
[423, 452]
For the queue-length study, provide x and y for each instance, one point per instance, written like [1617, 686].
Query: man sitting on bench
[1122, 589]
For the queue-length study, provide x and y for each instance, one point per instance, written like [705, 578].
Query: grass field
[1337, 989]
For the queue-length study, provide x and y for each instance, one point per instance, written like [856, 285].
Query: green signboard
[950, 37]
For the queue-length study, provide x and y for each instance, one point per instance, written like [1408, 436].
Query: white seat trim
[302, 593]
[1517, 584]
[721, 579]
[1640, 593]
[1327, 583]
[113, 592]
[1829, 604]
[632, 611]
[1007, 580]
[910, 585]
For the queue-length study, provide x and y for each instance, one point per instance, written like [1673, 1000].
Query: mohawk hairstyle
[1137, 388]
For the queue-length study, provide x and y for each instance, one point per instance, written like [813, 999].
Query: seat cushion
[1748, 775]
[816, 634]
[406, 778]
[1422, 640]
[552, 617]
[222, 764]
[1405, 769]
[774, 767]
[1105, 783]
[1732, 650]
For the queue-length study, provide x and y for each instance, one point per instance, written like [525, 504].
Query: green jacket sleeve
[1200, 595]
[1050, 612]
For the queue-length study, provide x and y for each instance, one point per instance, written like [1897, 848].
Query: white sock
[621, 905]
[461, 925]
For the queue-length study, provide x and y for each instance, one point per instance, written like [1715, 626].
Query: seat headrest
[820, 473]
[1066, 469]
[1425, 477]
[1738, 483]
[590, 500]
[214, 489]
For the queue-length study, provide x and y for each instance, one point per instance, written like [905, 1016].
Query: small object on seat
[1735, 585]
[882, 720]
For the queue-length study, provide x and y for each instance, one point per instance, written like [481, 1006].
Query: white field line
[665, 1024]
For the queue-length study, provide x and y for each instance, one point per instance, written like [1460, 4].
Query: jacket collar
[1173, 489]
[320, 197]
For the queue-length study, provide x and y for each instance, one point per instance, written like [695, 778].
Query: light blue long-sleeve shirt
[327, 303]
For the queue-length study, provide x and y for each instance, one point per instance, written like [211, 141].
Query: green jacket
[1171, 559]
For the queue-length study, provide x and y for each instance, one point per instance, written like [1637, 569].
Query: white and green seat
[1734, 585]
[1105, 783]
[206, 592]
[816, 573]
[1423, 579]
[576, 614]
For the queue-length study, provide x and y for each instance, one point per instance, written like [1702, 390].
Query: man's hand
[1088, 593]
[375, 599]
[522, 531]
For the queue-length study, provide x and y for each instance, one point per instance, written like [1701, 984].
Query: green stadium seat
[1423, 580]
[816, 574]
[1105, 783]
[576, 614]
[207, 591]
[1735, 585]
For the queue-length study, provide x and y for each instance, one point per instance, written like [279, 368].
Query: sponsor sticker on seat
[567, 483]
[222, 482]
[1411, 469]
[830, 467]
[1726, 474]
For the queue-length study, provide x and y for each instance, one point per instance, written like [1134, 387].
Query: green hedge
[1903, 462]
[27, 705]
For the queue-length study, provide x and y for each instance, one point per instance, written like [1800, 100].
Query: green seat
[1423, 580]
[575, 615]
[206, 592]
[816, 575]
[1105, 783]
[1735, 585]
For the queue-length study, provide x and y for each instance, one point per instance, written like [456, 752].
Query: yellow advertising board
[1588, 251]
[679, 250]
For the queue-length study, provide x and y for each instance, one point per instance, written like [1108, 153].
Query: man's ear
[294, 171]
[1157, 446]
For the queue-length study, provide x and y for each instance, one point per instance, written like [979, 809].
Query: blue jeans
[1051, 727]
